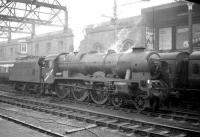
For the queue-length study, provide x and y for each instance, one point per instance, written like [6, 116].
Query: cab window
[48, 63]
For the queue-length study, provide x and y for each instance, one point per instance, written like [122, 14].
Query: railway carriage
[194, 77]
[184, 74]
[194, 70]
[5, 66]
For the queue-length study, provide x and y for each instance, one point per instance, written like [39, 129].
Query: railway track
[23, 123]
[181, 115]
[178, 114]
[124, 124]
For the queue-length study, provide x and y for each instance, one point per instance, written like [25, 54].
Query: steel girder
[22, 16]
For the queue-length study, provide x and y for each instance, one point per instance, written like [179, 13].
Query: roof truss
[22, 16]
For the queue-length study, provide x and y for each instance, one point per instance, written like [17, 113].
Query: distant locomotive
[101, 77]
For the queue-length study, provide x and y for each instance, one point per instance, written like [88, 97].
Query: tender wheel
[16, 86]
[39, 89]
[80, 94]
[140, 102]
[62, 91]
[99, 95]
[117, 101]
[21, 87]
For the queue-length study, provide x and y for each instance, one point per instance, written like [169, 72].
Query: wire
[52, 120]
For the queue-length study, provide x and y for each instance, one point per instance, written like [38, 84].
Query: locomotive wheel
[80, 94]
[62, 91]
[99, 95]
[117, 101]
[139, 102]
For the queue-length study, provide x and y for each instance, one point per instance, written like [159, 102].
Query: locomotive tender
[100, 77]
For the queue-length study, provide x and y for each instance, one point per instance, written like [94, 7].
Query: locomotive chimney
[138, 49]
[110, 51]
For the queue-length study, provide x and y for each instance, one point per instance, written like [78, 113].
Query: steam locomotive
[99, 77]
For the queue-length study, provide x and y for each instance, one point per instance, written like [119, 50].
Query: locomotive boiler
[120, 65]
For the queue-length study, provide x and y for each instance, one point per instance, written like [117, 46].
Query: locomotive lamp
[149, 83]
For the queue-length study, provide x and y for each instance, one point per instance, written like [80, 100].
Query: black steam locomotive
[100, 77]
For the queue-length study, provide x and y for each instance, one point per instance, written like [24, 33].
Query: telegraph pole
[114, 20]
[190, 6]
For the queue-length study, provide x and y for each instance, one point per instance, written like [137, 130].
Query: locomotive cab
[48, 69]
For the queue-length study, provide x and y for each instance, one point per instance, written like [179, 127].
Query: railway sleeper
[115, 122]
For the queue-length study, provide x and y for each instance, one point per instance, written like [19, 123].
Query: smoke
[120, 36]
[133, 34]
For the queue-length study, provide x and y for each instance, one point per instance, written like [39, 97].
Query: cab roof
[195, 55]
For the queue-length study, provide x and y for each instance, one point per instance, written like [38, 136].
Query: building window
[60, 46]
[165, 38]
[11, 51]
[150, 37]
[23, 48]
[127, 44]
[71, 48]
[48, 47]
[196, 35]
[98, 46]
[2, 52]
[37, 49]
[182, 37]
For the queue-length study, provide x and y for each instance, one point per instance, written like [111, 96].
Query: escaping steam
[133, 34]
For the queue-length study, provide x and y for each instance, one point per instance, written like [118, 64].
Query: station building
[39, 45]
[170, 26]
[162, 28]
[120, 36]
